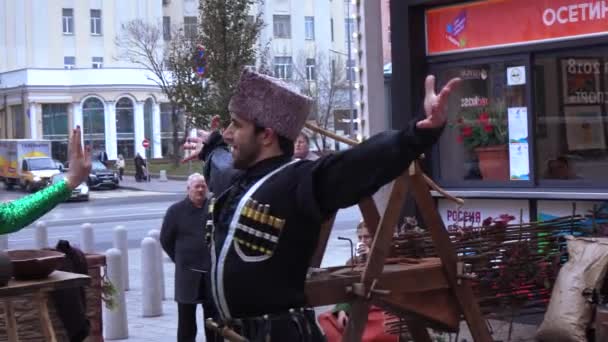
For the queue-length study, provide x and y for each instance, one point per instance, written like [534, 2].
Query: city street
[140, 211]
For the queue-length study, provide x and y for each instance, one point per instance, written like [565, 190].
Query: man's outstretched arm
[341, 180]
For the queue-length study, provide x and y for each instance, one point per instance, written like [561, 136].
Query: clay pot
[494, 162]
[6, 268]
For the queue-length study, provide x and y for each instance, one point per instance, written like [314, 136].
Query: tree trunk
[175, 141]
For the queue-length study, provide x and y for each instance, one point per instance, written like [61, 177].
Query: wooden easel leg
[418, 331]
[447, 253]
[11, 323]
[377, 256]
[46, 325]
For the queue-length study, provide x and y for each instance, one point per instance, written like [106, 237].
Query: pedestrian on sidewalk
[140, 164]
[267, 218]
[183, 239]
[120, 165]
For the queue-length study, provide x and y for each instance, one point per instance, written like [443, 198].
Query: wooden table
[40, 289]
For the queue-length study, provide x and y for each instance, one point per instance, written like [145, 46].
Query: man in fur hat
[269, 207]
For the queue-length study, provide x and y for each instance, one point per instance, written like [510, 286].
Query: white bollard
[155, 234]
[163, 176]
[42, 237]
[150, 279]
[115, 325]
[120, 243]
[87, 239]
[3, 242]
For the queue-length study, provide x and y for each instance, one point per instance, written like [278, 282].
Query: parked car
[100, 177]
[81, 193]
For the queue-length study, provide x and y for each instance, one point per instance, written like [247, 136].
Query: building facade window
[282, 26]
[350, 70]
[167, 28]
[69, 62]
[55, 128]
[349, 29]
[310, 69]
[125, 135]
[68, 20]
[97, 62]
[96, 22]
[309, 28]
[331, 27]
[283, 67]
[93, 122]
[18, 122]
[190, 27]
[166, 130]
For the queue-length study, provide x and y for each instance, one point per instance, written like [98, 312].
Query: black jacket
[258, 269]
[183, 239]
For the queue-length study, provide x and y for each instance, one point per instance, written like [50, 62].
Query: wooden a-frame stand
[432, 292]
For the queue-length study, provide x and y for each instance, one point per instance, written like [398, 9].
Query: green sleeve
[19, 213]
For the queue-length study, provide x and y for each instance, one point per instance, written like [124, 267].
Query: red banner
[496, 23]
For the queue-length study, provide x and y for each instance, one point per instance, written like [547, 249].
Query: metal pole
[349, 75]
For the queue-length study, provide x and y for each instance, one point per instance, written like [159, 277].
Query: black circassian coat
[257, 269]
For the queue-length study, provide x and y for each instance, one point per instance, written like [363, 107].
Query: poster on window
[518, 124]
[475, 211]
[518, 161]
[550, 210]
[584, 128]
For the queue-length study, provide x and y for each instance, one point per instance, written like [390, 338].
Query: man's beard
[246, 155]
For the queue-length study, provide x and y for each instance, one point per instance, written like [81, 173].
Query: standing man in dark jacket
[268, 214]
[183, 239]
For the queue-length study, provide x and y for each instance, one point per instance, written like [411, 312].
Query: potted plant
[485, 131]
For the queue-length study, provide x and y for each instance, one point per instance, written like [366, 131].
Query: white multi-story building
[306, 39]
[59, 66]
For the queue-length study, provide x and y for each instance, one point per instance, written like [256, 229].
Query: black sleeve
[341, 180]
[217, 169]
[168, 233]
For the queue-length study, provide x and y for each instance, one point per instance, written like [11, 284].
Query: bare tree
[323, 79]
[142, 43]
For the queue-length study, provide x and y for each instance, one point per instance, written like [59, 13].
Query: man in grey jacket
[183, 239]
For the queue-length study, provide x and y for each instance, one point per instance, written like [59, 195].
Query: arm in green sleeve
[19, 213]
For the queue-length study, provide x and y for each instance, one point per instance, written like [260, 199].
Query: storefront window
[486, 139]
[571, 101]
[55, 128]
[124, 127]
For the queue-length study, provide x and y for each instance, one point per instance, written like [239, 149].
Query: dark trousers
[186, 322]
[298, 326]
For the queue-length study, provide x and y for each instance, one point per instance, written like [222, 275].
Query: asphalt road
[139, 212]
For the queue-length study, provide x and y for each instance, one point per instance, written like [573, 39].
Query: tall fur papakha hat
[270, 103]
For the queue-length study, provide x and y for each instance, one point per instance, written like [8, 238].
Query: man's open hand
[195, 144]
[80, 160]
[435, 105]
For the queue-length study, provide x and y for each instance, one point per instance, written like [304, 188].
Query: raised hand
[80, 161]
[435, 105]
[195, 144]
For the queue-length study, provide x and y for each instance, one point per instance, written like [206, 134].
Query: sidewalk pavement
[153, 329]
[164, 328]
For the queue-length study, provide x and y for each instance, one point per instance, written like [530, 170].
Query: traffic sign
[145, 143]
